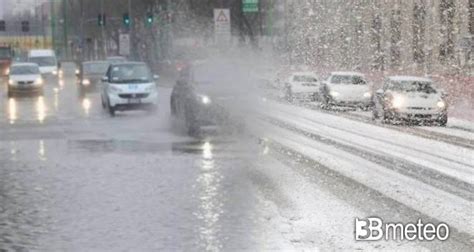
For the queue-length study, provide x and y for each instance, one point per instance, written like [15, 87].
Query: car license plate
[134, 100]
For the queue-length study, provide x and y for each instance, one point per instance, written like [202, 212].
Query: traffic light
[3, 26]
[149, 19]
[101, 19]
[126, 19]
[25, 26]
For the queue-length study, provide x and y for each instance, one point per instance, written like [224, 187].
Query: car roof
[96, 62]
[127, 63]
[41, 52]
[115, 57]
[408, 78]
[303, 73]
[24, 64]
[350, 73]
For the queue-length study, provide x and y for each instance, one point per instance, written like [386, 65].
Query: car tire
[172, 107]
[111, 109]
[443, 121]
[288, 94]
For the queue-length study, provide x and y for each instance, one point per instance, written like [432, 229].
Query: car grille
[25, 82]
[132, 96]
[419, 108]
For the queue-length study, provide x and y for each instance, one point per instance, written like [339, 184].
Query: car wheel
[172, 107]
[443, 121]
[288, 94]
[111, 109]
[104, 106]
[375, 114]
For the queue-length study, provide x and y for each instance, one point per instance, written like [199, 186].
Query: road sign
[222, 23]
[250, 5]
[124, 44]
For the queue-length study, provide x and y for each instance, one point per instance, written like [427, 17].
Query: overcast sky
[14, 6]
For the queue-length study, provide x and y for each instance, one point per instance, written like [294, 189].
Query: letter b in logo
[368, 230]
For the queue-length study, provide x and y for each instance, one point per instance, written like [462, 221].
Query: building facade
[398, 35]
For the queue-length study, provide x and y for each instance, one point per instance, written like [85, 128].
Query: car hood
[48, 69]
[29, 77]
[134, 88]
[344, 89]
[418, 99]
[93, 77]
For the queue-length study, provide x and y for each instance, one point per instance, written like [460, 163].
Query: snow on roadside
[311, 217]
[424, 198]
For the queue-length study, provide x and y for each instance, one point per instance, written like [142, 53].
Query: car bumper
[133, 103]
[305, 95]
[25, 89]
[417, 115]
[352, 103]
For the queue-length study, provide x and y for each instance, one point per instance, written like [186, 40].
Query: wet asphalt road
[73, 178]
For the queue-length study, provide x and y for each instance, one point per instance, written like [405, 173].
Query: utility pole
[65, 24]
[102, 29]
[82, 30]
[130, 28]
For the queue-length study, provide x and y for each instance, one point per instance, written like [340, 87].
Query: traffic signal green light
[101, 19]
[149, 18]
[126, 19]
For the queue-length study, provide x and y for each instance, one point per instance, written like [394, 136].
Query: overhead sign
[250, 5]
[222, 24]
[124, 44]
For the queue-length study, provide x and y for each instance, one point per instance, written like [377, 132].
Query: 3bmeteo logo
[374, 229]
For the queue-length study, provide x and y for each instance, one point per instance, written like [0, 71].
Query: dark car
[90, 74]
[209, 95]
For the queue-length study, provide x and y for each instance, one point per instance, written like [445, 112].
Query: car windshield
[5, 53]
[115, 60]
[95, 68]
[304, 78]
[24, 70]
[133, 73]
[44, 60]
[413, 86]
[348, 79]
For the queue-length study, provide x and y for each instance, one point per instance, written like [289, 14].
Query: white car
[24, 78]
[410, 98]
[46, 60]
[302, 86]
[129, 86]
[346, 89]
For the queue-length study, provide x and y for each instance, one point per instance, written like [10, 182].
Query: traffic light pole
[102, 27]
[130, 28]
[65, 24]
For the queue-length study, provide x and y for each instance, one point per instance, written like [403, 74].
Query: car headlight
[151, 89]
[397, 102]
[205, 99]
[78, 71]
[441, 104]
[367, 94]
[11, 82]
[334, 93]
[55, 72]
[86, 82]
[114, 89]
[39, 81]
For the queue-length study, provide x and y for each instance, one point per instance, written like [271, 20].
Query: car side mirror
[156, 77]
[105, 79]
[379, 92]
